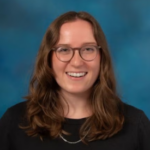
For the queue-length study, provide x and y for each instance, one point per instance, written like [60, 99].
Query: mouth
[76, 75]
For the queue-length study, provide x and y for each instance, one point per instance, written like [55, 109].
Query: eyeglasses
[87, 53]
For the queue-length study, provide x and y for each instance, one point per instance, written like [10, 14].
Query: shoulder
[131, 111]
[15, 112]
[138, 126]
[12, 117]
[17, 108]
[136, 117]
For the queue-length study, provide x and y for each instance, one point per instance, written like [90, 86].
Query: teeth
[76, 74]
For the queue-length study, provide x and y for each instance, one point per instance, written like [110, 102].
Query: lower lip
[74, 78]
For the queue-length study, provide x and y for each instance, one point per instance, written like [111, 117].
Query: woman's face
[76, 34]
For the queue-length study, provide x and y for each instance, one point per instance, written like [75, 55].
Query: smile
[73, 74]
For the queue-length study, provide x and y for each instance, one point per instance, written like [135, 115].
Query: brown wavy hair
[44, 108]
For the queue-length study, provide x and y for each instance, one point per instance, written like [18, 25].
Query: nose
[76, 60]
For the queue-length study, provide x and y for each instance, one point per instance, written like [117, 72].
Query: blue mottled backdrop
[126, 24]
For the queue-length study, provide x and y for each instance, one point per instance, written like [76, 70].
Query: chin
[77, 90]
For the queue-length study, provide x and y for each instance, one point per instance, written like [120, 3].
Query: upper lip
[76, 71]
[68, 72]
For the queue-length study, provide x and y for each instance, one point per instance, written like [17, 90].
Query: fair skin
[76, 90]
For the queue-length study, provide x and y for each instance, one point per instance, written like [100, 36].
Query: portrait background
[126, 24]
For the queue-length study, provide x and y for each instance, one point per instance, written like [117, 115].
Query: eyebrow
[87, 43]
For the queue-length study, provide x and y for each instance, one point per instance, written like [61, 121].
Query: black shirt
[135, 134]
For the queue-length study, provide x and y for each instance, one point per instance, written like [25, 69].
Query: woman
[72, 102]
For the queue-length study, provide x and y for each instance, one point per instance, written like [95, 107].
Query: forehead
[76, 32]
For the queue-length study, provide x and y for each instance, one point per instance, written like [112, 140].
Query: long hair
[44, 108]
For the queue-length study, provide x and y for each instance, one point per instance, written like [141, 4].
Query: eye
[88, 49]
[64, 50]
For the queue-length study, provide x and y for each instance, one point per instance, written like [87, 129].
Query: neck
[76, 105]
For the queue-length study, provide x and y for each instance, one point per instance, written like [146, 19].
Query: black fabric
[135, 134]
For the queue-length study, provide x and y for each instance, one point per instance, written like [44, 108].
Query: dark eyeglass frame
[79, 50]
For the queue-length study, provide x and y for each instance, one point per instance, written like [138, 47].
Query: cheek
[97, 63]
[96, 68]
[55, 63]
[57, 66]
